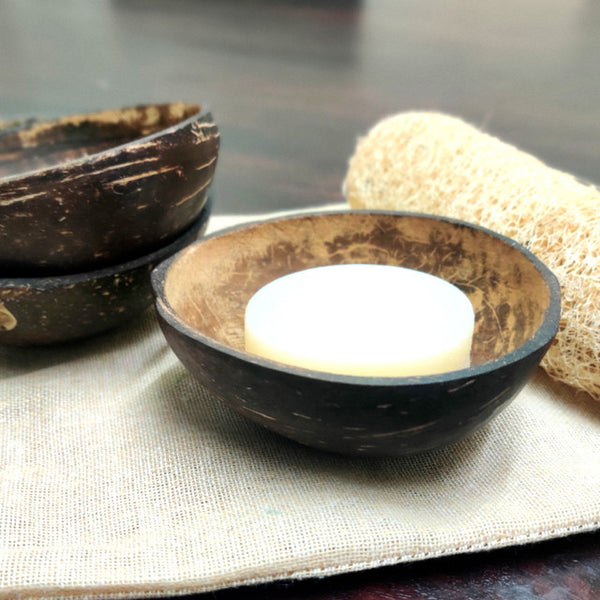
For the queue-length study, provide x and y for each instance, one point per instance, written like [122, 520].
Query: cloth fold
[121, 477]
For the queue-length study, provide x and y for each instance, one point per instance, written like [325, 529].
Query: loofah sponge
[435, 163]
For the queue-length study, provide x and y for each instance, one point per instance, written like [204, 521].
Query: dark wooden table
[292, 85]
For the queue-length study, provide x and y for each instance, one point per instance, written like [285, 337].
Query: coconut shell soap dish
[89, 204]
[516, 301]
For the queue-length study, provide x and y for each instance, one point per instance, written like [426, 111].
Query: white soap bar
[357, 319]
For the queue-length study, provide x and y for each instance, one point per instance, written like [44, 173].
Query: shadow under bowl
[51, 310]
[201, 295]
[88, 191]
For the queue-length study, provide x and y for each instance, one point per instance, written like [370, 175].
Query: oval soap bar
[357, 319]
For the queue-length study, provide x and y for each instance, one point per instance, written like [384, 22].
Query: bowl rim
[542, 336]
[204, 113]
[47, 282]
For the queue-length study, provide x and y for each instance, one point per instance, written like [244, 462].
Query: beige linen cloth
[121, 477]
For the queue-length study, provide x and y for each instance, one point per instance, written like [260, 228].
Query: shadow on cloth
[16, 360]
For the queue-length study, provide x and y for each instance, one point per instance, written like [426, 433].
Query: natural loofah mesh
[434, 163]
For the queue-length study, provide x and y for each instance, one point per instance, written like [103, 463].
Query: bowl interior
[209, 284]
[33, 145]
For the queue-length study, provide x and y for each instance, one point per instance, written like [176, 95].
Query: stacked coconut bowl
[89, 205]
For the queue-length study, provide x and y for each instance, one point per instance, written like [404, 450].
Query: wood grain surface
[292, 84]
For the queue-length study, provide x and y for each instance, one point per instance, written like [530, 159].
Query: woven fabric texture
[121, 477]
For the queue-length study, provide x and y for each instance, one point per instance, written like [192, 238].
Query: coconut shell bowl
[88, 191]
[36, 311]
[201, 295]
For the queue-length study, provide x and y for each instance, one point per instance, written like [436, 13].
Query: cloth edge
[162, 590]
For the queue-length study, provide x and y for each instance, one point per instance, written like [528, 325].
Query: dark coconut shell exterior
[201, 311]
[92, 190]
[50, 310]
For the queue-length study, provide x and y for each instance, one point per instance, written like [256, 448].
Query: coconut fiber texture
[434, 163]
[120, 476]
